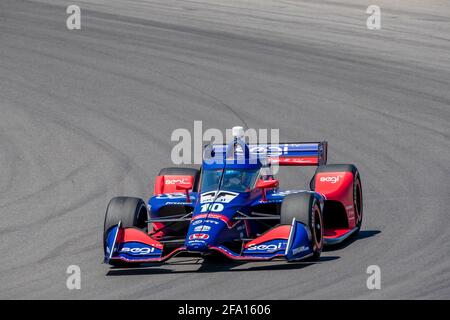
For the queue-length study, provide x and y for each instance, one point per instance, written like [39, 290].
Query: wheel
[357, 201]
[305, 208]
[132, 212]
[175, 171]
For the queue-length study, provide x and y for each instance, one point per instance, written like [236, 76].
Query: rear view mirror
[266, 184]
[186, 187]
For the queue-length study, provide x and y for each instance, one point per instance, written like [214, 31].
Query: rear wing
[288, 153]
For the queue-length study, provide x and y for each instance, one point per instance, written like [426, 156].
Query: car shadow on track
[214, 267]
[363, 234]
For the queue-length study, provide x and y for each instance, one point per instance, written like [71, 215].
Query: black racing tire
[357, 188]
[305, 208]
[357, 201]
[132, 212]
[177, 171]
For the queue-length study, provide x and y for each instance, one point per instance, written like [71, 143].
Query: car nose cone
[199, 246]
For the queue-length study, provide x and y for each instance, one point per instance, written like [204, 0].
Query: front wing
[130, 245]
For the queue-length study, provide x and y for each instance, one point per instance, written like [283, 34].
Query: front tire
[305, 208]
[132, 212]
[357, 202]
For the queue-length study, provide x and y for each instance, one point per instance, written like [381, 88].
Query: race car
[233, 207]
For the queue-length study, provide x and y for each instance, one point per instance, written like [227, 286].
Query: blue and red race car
[233, 207]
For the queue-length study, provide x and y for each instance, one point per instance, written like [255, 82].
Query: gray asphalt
[87, 114]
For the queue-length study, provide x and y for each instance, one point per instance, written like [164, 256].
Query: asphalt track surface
[87, 115]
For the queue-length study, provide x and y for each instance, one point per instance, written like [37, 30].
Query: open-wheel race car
[233, 206]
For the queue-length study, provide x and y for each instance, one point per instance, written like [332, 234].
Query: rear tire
[305, 208]
[357, 202]
[132, 212]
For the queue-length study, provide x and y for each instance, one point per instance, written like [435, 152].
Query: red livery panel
[135, 235]
[167, 184]
[280, 232]
[338, 186]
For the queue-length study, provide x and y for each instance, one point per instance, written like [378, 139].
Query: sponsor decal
[300, 249]
[196, 241]
[211, 216]
[199, 236]
[176, 203]
[175, 181]
[226, 196]
[331, 179]
[274, 151]
[202, 228]
[212, 222]
[266, 247]
[207, 197]
[218, 216]
[137, 251]
[214, 207]
[176, 195]
[291, 160]
[222, 197]
[271, 201]
[196, 222]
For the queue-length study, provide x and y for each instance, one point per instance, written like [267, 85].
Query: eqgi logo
[137, 251]
[266, 247]
[202, 228]
[199, 236]
[331, 179]
[175, 181]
